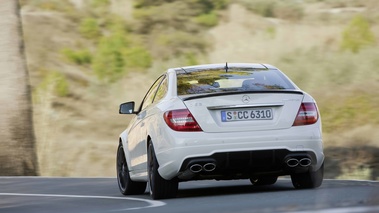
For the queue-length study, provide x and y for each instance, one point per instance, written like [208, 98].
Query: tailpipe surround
[196, 168]
[206, 167]
[305, 162]
[292, 162]
[209, 167]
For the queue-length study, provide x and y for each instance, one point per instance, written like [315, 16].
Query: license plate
[245, 115]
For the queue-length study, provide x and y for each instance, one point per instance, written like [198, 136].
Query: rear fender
[124, 141]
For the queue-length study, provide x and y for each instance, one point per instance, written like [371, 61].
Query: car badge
[245, 99]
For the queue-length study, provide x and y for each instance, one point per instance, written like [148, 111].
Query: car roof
[222, 66]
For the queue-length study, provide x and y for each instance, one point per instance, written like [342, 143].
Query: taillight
[307, 114]
[181, 120]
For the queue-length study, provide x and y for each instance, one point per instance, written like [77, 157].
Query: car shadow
[233, 190]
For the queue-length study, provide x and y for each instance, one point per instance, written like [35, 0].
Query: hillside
[77, 87]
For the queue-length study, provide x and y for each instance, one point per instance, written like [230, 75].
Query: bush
[288, 10]
[80, 57]
[100, 3]
[357, 35]
[264, 8]
[137, 57]
[208, 19]
[149, 3]
[191, 59]
[117, 53]
[108, 61]
[56, 83]
[89, 28]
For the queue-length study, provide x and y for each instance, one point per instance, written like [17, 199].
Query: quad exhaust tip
[293, 162]
[305, 162]
[196, 168]
[208, 167]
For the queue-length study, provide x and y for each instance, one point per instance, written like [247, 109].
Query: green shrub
[208, 19]
[80, 57]
[117, 53]
[264, 8]
[191, 59]
[89, 28]
[100, 3]
[108, 63]
[288, 10]
[207, 6]
[271, 32]
[137, 57]
[149, 3]
[357, 35]
[56, 83]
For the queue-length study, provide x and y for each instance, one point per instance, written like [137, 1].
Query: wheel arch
[123, 140]
[148, 141]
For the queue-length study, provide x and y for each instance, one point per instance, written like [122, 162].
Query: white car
[222, 122]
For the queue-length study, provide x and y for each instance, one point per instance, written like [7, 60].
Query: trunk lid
[253, 111]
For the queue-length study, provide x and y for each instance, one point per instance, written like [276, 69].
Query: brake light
[307, 114]
[181, 120]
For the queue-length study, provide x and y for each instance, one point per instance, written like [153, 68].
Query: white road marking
[344, 210]
[152, 203]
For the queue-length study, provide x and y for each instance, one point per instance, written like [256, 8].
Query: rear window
[218, 80]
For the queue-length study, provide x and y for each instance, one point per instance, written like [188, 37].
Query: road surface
[96, 195]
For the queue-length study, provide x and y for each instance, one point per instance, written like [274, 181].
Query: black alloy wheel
[309, 179]
[160, 188]
[125, 184]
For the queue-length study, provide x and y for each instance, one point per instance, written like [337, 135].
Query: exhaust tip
[292, 162]
[305, 162]
[209, 167]
[196, 168]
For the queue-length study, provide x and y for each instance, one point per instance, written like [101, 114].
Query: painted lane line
[152, 203]
[343, 210]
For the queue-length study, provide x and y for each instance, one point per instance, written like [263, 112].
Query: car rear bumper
[245, 153]
[246, 164]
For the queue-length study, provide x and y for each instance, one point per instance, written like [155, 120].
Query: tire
[159, 187]
[263, 181]
[125, 184]
[308, 180]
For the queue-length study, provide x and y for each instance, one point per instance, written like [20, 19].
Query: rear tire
[125, 184]
[160, 188]
[308, 180]
[263, 181]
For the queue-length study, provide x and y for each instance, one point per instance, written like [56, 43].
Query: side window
[162, 90]
[151, 93]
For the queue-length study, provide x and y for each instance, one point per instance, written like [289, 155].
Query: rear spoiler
[192, 97]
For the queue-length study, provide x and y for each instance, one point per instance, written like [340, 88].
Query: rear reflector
[307, 114]
[181, 120]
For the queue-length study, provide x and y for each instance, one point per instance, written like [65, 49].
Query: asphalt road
[95, 195]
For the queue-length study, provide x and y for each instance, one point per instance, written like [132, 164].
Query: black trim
[240, 92]
[247, 164]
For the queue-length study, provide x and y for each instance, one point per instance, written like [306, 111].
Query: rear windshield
[235, 80]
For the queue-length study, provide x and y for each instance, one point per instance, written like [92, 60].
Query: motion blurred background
[85, 57]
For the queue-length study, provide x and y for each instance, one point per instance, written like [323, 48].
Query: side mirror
[127, 108]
